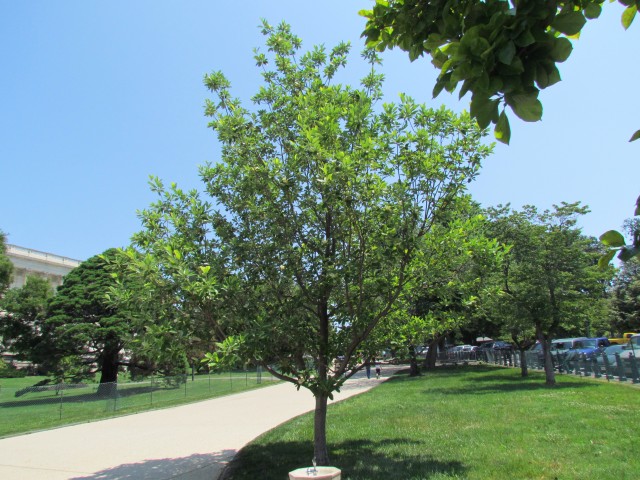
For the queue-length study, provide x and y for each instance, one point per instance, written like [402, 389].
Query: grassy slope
[473, 423]
[42, 410]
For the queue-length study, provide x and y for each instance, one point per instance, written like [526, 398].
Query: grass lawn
[465, 423]
[48, 409]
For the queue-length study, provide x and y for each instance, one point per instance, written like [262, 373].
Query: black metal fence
[43, 406]
[621, 367]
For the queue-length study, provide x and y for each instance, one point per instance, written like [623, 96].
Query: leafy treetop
[503, 52]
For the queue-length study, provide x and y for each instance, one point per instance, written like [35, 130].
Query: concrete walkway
[190, 442]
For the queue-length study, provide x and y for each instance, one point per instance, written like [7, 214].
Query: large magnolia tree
[319, 204]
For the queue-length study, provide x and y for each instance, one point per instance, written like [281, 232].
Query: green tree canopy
[6, 267]
[448, 286]
[502, 51]
[550, 280]
[319, 207]
[25, 311]
[84, 326]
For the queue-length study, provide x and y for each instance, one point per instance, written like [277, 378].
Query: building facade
[27, 261]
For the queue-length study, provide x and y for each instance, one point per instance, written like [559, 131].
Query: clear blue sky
[96, 96]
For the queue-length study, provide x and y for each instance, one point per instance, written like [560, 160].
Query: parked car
[610, 353]
[497, 345]
[624, 339]
[487, 351]
[589, 347]
[535, 354]
[563, 345]
[632, 348]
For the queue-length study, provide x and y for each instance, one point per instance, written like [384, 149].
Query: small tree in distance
[320, 204]
[550, 281]
[6, 267]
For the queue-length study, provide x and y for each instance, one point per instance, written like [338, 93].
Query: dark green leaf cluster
[503, 52]
[23, 318]
[82, 322]
[616, 243]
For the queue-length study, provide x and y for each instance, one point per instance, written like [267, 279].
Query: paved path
[190, 442]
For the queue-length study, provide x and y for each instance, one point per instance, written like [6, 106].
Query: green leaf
[525, 39]
[561, 50]
[569, 23]
[506, 53]
[612, 238]
[628, 15]
[542, 77]
[635, 136]
[502, 131]
[593, 10]
[554, 75]
[606, 258]
[526, 106]
[484, 110]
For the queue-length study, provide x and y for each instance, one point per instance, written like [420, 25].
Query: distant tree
[625, 293]
[25, 312]
[503, 52]
[322, 201]
[6, 267]
[626, 299]
[448, 284]
[550, 280]
[85, 327]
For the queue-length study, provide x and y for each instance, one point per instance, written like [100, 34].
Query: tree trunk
[432, 354]
[524, 368]
[550, 376]
[414, 369]
[109, 371]
[320, 451]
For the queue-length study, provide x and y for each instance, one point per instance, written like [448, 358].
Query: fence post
[586, 366]
[621, 373]
[635, 376]
[607, 366]
[61, 395]
[185, 386]
[151, 390]
[230, 379]
[596, 368]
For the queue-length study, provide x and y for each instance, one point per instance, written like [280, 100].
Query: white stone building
[27, 261]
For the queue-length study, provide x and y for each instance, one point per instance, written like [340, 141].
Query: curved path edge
[189, 442]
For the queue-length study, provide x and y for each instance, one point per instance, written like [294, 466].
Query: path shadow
[197, 466]
[358, 460]
[93, 396]
[488, 384]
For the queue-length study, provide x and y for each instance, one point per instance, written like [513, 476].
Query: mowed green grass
[465, 423]
[42, 410]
